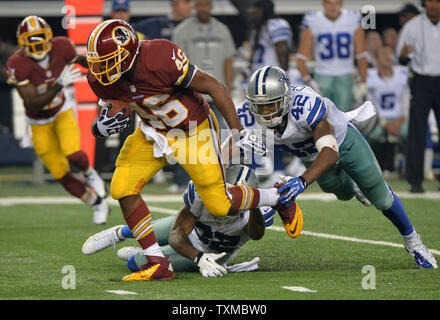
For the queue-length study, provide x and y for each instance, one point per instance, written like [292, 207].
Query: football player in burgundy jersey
[155, 78]
[42, 71]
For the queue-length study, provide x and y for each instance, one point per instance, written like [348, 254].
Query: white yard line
[161, 199]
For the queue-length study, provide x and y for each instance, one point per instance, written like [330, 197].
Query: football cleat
[421, 254]
[101, 240]
[291, 217]
[94, 181]
[126, 252]
[157, 268]
[101, 212]
[361, 197]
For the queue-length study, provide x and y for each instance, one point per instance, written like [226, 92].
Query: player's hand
[249, 142]
[293, 187]
[209, 267]
[110, 125]
[69, 76]
[361, 92]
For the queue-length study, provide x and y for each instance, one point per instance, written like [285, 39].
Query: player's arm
[229, 73]
[178, 238]
[34, 101]
[81, 60]
[256, 225]
[204, 83]
[282, 50]
[304, 51]
[325, 141]
[360, 49]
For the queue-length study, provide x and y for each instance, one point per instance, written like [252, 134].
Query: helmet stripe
[256, 81]
[264, 79]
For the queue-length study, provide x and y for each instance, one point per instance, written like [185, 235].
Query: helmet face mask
[34, 36]
[268, 95]
[111, 50]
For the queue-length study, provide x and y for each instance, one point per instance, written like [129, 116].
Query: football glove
[292, 188]
[208, 266]
[361, 92]
[107, 126]
[68, 76]
[249, 142]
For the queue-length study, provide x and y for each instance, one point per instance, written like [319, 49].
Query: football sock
[246, 198]
[153, 250]
[398, 216]
[80, 160]
[139, 221]
[126, 232]
[73, 185]
[131, 264]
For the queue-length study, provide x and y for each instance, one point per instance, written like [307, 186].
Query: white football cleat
[94, 181]
[101, 240]
[361, 197]
[126, 252]
[421, 254]
[101, 212]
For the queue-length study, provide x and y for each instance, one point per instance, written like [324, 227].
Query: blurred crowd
[269, 39]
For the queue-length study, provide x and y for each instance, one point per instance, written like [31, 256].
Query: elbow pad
[327, 141]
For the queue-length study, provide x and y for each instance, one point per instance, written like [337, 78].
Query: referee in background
[419, 47]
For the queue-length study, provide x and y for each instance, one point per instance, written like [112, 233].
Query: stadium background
[12, 12]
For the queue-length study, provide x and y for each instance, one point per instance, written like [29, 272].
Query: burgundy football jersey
[22, 70]
[158, 91]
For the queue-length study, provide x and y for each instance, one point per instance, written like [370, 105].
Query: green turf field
[41, 246]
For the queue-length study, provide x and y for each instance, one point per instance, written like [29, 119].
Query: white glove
[68, 76]
[208, 266]
[308, 81]
[361, 92]
[110, 125]
[249, 142]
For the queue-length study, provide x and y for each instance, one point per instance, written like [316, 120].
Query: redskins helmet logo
[121, 35]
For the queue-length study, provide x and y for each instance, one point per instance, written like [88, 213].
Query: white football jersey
[390, 95]
[307, 109]
[333, 41]
[275, 30]
[213, 234]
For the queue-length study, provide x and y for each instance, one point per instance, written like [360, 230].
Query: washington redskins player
[42, 71]
[158, 82]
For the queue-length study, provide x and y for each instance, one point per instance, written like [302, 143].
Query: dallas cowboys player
[336, 154]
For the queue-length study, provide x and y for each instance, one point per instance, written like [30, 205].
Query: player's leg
[199, 155]
[135, 166]
[359, 162]
[47, 147]
[343, 94]
[326, 84]
[69, 137]
[162, 229]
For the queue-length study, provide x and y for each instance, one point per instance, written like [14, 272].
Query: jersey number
[162, 115]
[387, 101]
[217, 241]
[343, 42]
[297, 105]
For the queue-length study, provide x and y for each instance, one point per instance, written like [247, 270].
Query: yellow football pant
[54, 141]
[197, 151]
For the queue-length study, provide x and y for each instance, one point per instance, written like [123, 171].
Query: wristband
[198, 257]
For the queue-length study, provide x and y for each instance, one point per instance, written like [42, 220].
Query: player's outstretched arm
[325, 141]
[207, 84]
[178, 239]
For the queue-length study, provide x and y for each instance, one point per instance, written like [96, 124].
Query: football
[118, 105]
